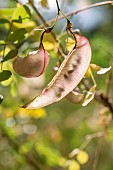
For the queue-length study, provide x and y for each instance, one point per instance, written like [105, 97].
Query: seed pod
[70, 73]
[33, 65]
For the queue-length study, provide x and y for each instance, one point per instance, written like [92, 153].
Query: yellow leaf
[39, 113]
[82, 157]
[7, 49]
[48, 45]
[28, 25]
[70, 44]
[7, 82]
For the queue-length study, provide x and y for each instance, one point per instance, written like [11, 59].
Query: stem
[6, 43]
[95, 84]
[73, 35]
[81, 10]
[60, 11]
[64, 16]
[39, 15]
[41, 39]
[89, 6]
[47, 25]
[58, 7]
[56, 19]
[89, 138]
[100, 97]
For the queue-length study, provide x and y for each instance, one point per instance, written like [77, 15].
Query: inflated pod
[33, 65]
[69, 75]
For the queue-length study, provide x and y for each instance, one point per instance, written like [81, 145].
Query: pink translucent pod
[68, 76]
[33, 65]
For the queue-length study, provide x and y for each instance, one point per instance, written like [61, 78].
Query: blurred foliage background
[63, 135]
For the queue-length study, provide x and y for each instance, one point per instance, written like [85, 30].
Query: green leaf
[17, 35]
[10, 55]
[1, 98]
[21, 14]
[2, 42]
[3, 21]
[13, 89]
[6, 12]
[5, 74]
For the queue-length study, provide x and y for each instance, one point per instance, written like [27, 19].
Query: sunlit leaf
[48, 45]
[89, 96]
[2, 42]
[70, 44]
[10, 55]
[6, 12]
[1, 98]
[4, 75]
[69, 75]
[17, 35]
[82, 157]
[27, 25]
[7, 50]
[13, 90]
[7, 82]
[21, 14]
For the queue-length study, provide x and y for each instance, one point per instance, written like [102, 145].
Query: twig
[40, 16]
[88, 7]
[81, 10]
[58, 6]
[97, 154]
[90, 137]
[47, 25]
[101, 98]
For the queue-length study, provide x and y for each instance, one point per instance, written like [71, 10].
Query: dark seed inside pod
[66, 76]
[58, 91]
[78, 59]
[70, 71]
